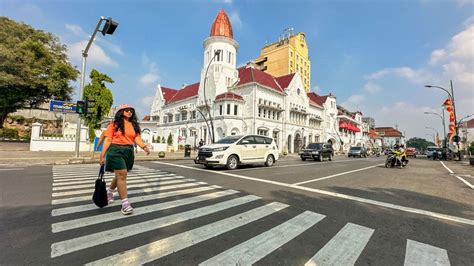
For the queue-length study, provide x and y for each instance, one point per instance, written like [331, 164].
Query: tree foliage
[33, 67]
[419, 143]
[170, 139]
[103, 100]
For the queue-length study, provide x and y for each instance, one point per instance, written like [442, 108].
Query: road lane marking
[166, 246]
[256, 248]
[457, 176]
[343, 173]
[88, 207]
[449, 170]
[96, 173]
[114, 216]
[87, 241]
[339, 195]
[423, 254]
[84, 191]
[299, 164]
[129, 181]
[344, 248]
[130, 192]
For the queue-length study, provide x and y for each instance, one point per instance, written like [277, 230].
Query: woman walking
[118, 153]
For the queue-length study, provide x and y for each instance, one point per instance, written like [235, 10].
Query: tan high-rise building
[286, 56]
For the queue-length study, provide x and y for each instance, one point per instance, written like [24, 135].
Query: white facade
[245, 101]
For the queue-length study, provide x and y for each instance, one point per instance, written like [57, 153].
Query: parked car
[357, 152]
[317, 152]
[429, 151]
[411, 152]
[233, 151]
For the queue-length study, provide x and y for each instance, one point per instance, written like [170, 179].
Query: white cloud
[372, 87]
[151, 76]
[354, 102]
[462, 3]
[77, 31]
[96, 55]
[147, 101]
[235, 20]
[420, 76]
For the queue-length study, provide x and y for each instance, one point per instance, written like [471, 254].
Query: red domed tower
[219, 68]
[222, 26]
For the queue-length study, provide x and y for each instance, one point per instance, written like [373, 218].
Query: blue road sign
[62, 107]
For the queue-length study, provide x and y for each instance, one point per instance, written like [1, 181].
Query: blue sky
[375, 56]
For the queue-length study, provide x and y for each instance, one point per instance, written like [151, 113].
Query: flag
[437, 141]
[448, 104]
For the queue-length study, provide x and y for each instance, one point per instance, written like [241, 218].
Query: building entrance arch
[298, 142]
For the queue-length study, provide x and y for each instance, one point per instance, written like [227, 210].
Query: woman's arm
[104, 150]
[139, 142]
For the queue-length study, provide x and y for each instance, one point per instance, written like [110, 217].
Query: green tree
[170, 139]
[33, 68]
[163, 139]
[419, 143]
[103, 100]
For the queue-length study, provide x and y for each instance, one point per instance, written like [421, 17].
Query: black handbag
[100, 193]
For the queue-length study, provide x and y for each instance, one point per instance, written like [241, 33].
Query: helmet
[124, 106]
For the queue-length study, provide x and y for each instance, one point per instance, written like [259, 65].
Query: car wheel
[270, 161]
[303, 158]
[330, 157]
[232, 162]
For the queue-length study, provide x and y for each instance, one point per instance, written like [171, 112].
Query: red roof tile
[319, 100]
[388, 132]
[186, 92]
[248, 74]
[229, 96]
[284, 81]
[168, 93]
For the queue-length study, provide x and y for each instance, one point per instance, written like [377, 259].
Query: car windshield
[228, 140]
[314, 146]
[356, 148]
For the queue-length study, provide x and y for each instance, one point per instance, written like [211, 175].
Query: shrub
[471, 148]
[18, 118]
[170, 139]
[9, 133]
[163, 140]
[161, 154]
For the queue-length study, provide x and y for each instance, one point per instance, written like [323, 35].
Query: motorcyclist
[397, 151]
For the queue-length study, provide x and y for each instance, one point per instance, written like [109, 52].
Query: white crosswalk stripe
[344, 248]
[420, 254]
[129, 181]
[90, 206]
[74, 223]
[84, 191]
[163, 247]
[258, 247]
[82, 179]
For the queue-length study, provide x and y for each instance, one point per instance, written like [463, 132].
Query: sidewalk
[25, 158]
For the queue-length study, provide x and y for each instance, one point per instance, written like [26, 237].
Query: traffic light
[81, 107]
[456, 138]
[90, 104]
[109, 27]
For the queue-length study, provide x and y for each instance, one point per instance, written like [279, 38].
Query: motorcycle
[392, 161]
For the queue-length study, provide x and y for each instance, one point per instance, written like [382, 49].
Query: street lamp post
[444, 125]
[108, 28]
[432, 135]
[211, 130]
[451, 96]
[432, 128]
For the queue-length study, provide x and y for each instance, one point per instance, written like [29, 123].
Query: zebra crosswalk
[164, 200]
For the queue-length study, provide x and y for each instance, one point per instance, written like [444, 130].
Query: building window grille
[176, 117]
[262, 132]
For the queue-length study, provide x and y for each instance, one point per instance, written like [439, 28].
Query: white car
[233, 151]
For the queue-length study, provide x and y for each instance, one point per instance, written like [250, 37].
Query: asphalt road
[344, 212]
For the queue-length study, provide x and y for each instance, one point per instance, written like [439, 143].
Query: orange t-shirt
[117, 137]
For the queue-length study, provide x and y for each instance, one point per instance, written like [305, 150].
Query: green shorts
[119, 157]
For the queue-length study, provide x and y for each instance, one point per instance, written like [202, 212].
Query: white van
[233, 151]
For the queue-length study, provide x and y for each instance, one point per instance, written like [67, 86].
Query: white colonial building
[245, 100]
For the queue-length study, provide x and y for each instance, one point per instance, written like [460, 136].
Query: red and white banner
[448, 104]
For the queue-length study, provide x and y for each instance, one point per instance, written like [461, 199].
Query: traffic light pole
[81, 89]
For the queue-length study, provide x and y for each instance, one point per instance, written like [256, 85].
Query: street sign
[62, 107]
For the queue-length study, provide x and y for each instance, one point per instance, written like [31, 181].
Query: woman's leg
[121, 182]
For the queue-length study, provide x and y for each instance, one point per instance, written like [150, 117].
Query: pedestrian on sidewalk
[118, 152]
